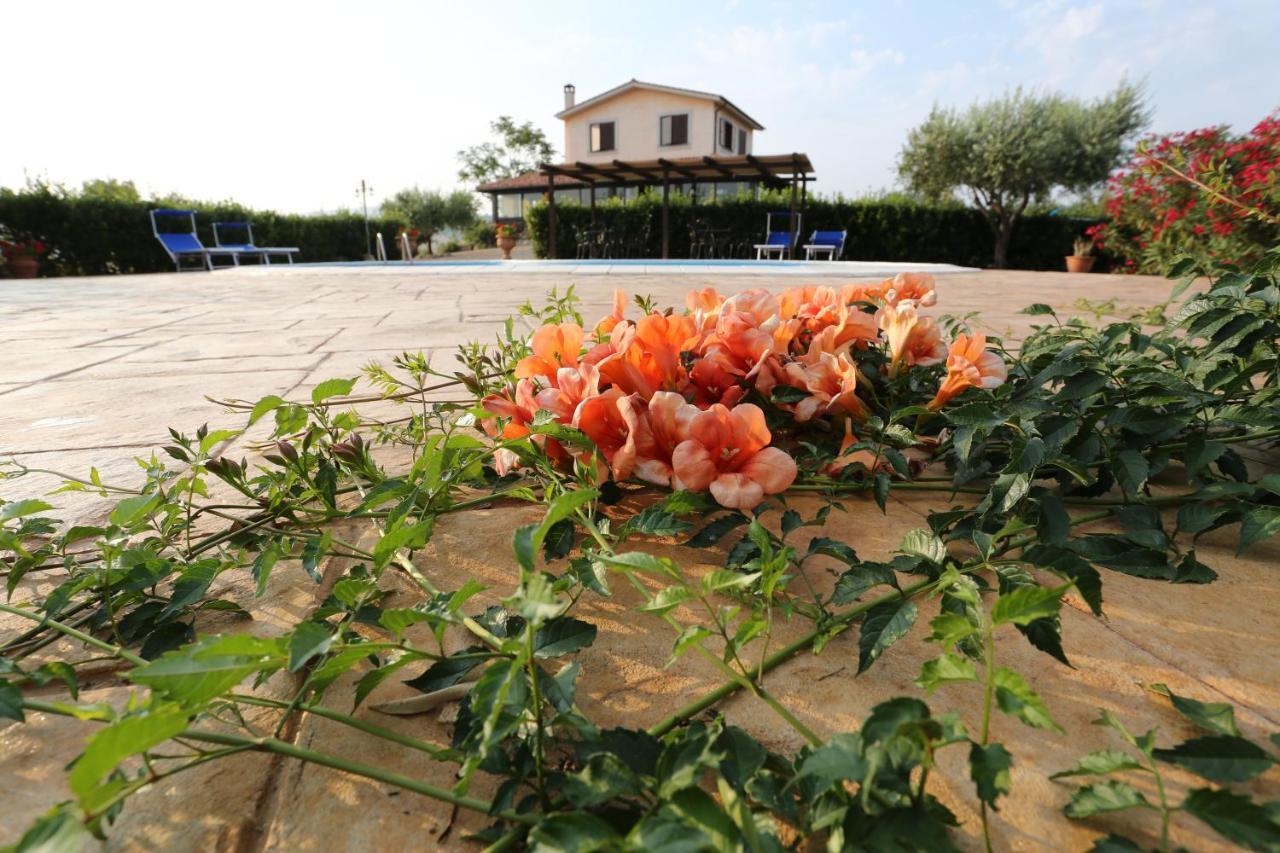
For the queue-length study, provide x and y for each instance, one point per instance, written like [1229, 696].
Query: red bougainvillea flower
[572, 386]
[969, 365]
[648, 360]
[660, 429]
[728, 452]
[609, 420]
[553, 347]
[924, 345]
[831, 381]
[518, 410]
[605, 326]
[911, 286]
[897, 321]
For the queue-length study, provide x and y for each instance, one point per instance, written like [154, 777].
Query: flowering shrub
[714, 398]
[506, 231]
[1160, 209]
[22, 249]
[722, 433]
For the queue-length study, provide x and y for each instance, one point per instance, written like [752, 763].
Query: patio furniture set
[709, 242]
[183, 245]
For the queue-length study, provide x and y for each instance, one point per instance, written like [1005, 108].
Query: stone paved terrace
[93, 370]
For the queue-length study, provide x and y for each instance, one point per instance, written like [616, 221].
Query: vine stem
[289, 750]
[88, 639]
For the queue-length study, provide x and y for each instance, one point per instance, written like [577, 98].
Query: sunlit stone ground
[94, 370]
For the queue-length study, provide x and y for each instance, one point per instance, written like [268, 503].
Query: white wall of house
[636, 117]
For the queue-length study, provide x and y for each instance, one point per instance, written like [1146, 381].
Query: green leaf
[191, 587]
[1100, 763]
[572, 832]
[1054, 525]
[853, 583]
[716, 530]
[656, 520]
[989, 769]
[1016, 698]
[11, 702]
[948, 668]
[263, 406]
[723, 580]
[309, 639]
[562, 635]
[529, 539]
[922, 542]
[59, 830]
[604, 777]
[195, 674]
[21, 509]
[1109, 796]
[1219, 758]
[1258, 524]
[1114, 844]
[332, 388]
[1217, 717]
[667, 599]
[884, 625]
[1037, 309]
[410, 536]
[132, 509]
[837, 760]
[1131, 470]
[112, 744]
[1027, 603]
[1235, 817]
[641, 562]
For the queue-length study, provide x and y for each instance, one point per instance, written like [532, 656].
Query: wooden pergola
[777, 171]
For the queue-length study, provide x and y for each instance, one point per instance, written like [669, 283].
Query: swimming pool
[623, 266]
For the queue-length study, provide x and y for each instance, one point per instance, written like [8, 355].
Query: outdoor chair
[185, 244]
[831, 242]
[777, 242]
[264, 253]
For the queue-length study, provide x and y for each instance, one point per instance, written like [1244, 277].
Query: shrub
[1157, 214]
[95, 235]
[480, 235]
[879, 229]
[452, 246]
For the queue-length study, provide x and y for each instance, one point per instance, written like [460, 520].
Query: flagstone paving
[93, 371]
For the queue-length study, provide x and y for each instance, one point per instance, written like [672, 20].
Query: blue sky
[288, 105]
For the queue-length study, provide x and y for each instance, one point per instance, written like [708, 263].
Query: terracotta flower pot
[506, 244]
[24, 266]
[1080, 263]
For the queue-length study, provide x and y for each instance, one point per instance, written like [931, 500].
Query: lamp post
[364, 192]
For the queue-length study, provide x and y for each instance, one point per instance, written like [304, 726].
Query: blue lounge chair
[245, 229]
[777, 242]
[185, 244]
[831, 242]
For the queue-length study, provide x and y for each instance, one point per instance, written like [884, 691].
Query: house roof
[719, 100]
[528, 181]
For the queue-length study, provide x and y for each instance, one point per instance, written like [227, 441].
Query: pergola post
[591, 188]
[666, 216]
[794, 227]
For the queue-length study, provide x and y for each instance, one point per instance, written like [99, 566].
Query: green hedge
[97, 236]
[878, 230]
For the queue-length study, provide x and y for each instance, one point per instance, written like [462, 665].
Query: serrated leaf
[11, 702]
[1235, 817]
[1015, 697]
[309, 639]
[716, 530]
[1131, 471]
[332, 388]
[1025, 604]
[667, 599]
[561, 636]
[1109, 796]
[114, 743]
[948, 668]
[1217, 717]
[723, 580]
[641, 562]
[1258, 524]
[132, 509]
[922, 542]
[989, 769]
[263, 406]
[1100, 763]
[657, 520]
[23, 508]
[1219, 758]
[884, 625]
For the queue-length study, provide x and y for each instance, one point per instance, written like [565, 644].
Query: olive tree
[430, 211]
[1006, 153]
[519, 148]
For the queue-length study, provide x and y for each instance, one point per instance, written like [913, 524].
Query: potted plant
[506, 237]
[1081, 259]
[23, 256]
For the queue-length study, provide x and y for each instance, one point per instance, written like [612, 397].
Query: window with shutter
[742, 142]
[602, 136]
[673, 129]
[726, 134]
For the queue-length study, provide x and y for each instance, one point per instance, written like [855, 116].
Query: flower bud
[287, 451]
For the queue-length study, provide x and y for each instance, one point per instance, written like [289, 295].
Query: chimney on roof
[568, 95]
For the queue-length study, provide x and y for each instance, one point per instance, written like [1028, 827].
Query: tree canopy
[431, 211]
[1006, 153]
[519, 148]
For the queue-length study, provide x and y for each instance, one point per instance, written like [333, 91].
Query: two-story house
[649, 124]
